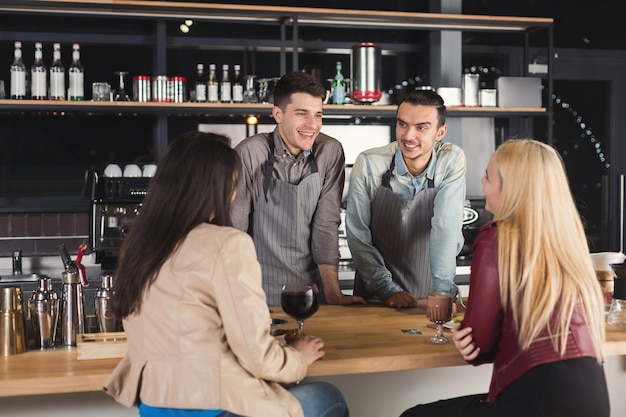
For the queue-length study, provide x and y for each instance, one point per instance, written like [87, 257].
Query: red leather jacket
[493, 328]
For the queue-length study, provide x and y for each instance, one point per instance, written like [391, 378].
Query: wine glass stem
[300, 326]
[439, 331]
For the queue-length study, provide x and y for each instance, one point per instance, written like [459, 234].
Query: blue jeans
[318, 399]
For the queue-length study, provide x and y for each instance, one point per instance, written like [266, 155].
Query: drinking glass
[299, 301]
[101, 91]
[439, 311]
[266, 89]
[249, 96]
[121, 91]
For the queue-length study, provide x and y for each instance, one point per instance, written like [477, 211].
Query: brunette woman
[188, 287]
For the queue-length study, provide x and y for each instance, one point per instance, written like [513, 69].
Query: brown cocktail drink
[605, 278]
[439, 311]
[439, 307]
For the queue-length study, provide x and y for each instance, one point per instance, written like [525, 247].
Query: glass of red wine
[299, 301]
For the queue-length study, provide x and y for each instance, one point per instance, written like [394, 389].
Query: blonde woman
[535, 309]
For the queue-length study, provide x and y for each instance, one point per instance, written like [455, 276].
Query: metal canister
[470, 84]
[160, 88]
[177, 89]
[107, 321]
[365, 72]
[142, 89]
[12, 321]
[72, 308]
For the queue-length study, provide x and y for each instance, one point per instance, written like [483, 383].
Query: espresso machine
[114, 204]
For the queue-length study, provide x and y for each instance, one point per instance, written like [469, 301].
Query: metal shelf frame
[286, 20]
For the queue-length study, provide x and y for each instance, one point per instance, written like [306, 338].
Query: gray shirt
[254, 152]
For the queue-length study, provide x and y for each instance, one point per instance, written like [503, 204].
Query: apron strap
[267, 169]
[386, 181]
[269, 165]
[388, 174]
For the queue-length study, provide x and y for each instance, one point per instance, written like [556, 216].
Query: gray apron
[401, 233]
[281, 229]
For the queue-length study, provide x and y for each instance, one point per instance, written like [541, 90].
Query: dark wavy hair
[427, 98]
[296, 82]
[194, 184]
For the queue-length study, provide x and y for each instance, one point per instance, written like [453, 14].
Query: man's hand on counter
[332, 292]
[343, 299]
[401, 299]
[422, 303]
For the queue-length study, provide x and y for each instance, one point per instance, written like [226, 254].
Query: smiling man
[405, 208]
[289, 193]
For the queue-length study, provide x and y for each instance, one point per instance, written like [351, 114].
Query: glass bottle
[38, 87]
[225, 86]
[237, 86]
[213, 86]
[18, 74]
[57, 75]
[76, 72]
[201, 85]
[339, 86]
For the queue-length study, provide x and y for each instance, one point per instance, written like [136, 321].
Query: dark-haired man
[405, 208]
[289, 193]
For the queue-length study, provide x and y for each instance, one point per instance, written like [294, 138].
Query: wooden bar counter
[359, 339]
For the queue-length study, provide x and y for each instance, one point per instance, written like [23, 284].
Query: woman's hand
[464, 342]
[311, 346]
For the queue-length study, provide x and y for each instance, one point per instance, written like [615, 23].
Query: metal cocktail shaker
[72, 307]
[107, 322]
[44, 313]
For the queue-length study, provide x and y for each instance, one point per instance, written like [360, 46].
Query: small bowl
[132, 170]
[113, 170]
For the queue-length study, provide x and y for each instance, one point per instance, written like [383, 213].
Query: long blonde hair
[544, 261]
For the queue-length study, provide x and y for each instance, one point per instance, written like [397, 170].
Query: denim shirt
[447, 167]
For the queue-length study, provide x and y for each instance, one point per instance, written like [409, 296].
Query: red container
[142, 89]
[160, 87]
[177, 89]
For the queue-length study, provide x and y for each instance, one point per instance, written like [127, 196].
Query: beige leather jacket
[202, 338]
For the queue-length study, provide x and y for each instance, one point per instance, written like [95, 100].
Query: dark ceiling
[595, 24]
[577, 24]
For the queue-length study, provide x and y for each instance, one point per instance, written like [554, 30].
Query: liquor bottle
[225, 87]
[237, 86]
[76, 72]
[18, 74]
[213, 86]
[339, 86]
[38, 76]
[57, 75]
[201, 86]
